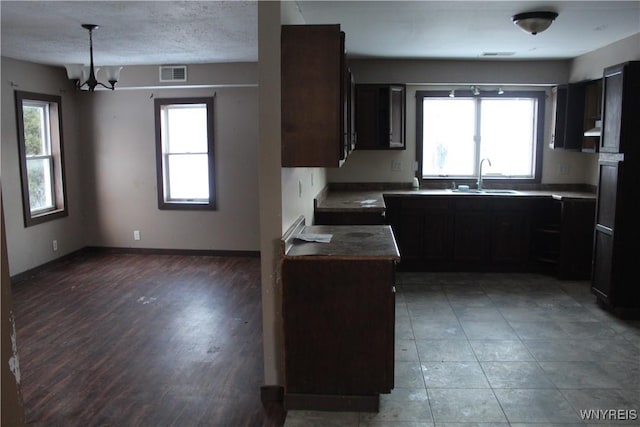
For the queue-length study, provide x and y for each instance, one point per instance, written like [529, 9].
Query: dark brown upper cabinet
[620, 108]
[577, 107]
[315, 91]
[592, 116]
[380, 117]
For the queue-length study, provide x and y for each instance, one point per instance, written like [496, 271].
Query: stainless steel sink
[499, 191]
[487, 191]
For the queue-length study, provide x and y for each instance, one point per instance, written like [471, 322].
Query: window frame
[55, 157]
[163, 203]
[539, 95]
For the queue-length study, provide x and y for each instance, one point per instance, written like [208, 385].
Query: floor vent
[173, 73]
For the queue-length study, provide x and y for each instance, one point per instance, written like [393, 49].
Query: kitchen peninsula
[338, 306]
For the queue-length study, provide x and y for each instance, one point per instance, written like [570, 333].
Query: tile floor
[500, 350]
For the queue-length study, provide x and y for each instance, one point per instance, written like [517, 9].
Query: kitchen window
[184, 153]
[41, 157]
[455, 133]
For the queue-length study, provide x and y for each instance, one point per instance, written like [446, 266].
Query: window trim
[56, 155]
[160, 172]
[539, 95]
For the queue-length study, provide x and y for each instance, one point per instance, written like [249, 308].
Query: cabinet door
[574, 132]
[338, 323]
[380, 116]
[396, 117]
[509, 240]
[612, 110]
[602, 263]
[609, 175]
[367, 117]
[312, 67]
[603, 255]
[559, 94]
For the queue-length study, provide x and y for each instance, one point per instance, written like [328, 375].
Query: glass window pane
[40, 186]
[187, 128]
[188, 177]
[508, 136]
[448, 132]
[35, 134]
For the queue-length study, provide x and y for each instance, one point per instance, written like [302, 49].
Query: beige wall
[109, 141]
[120, 172]
[32, 246]
[376, 166]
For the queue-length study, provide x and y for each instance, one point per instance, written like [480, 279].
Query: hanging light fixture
[534, 22]
[86, 76]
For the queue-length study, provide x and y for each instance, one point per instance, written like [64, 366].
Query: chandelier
[85, 77]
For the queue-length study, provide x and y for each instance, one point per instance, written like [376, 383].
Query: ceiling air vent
[173, 73]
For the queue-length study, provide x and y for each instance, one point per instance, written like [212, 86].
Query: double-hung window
[184, 153]
[41, 156]
[456, 133]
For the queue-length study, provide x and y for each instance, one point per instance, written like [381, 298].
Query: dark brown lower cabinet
[460, 233]
[338, 318]
[615, 255]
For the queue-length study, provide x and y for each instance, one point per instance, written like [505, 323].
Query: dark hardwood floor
[112, 339]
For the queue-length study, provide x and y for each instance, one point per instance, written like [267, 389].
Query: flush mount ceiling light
[534, 22]
[86, 76]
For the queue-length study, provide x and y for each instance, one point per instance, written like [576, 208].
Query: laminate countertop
[373, 201]
[347, 242]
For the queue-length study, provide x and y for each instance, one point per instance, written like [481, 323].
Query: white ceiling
[170, 32]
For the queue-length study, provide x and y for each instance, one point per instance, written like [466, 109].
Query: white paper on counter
[313, 237]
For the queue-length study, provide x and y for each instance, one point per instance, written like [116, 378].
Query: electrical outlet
[136, 234]
[55, 245]
[396, 165]
[564, 169]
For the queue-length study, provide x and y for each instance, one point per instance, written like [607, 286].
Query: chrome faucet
[479, 182]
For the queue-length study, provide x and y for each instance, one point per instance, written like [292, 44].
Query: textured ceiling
[131, 32]
[171, 32]
[467, 29]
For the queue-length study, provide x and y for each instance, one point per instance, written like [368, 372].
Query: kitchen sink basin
[487, 191]
[498, 191]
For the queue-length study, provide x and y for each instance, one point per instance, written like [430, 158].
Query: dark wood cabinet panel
[380, 116]
[608, 192]
[592, 114]
[338, 320]
[612, 114]
[559, 95]
[509, 238]
[470, 238]
[574, 130]
[314, 96]
[617, 230]
[602, 264]
[460, 233]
